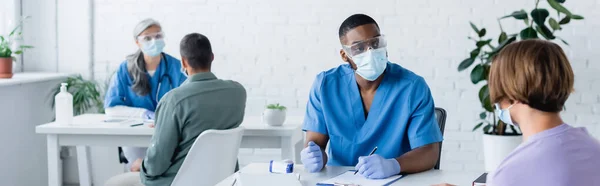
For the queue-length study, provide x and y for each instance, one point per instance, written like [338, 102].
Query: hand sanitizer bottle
[63, 102]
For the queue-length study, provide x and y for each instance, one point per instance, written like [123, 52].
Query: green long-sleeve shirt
[201, 103]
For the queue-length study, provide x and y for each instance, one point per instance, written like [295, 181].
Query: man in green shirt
[201, 103]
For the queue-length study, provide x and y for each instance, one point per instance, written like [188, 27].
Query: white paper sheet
[349, 178]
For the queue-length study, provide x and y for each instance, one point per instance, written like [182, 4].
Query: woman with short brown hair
[529, 82]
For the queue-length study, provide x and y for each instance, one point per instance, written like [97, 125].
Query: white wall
[23, 156]
[6, 16]
[74, 36]
[61, 33]
[40, 32]
[275, 48]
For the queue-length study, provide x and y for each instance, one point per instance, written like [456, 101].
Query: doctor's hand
[312, 157]
[377, 167]
[148, 115]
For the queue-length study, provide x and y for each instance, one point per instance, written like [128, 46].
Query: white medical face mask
[371, 64]
[153, 47]
[504, 114]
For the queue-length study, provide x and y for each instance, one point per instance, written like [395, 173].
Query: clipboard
[348, 178]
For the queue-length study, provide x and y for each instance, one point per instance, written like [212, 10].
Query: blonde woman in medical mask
[141, 81]
[529, 82]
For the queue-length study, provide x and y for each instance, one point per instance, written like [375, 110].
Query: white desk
[420, 179]
[90, 130]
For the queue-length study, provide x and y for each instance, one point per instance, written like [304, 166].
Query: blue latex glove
[148, 115]
[312, 157]
[377, 167]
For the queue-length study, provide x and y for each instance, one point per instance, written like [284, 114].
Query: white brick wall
[6, 16]
[275, 48]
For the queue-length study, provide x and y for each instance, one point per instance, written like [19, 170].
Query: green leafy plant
[276, 107]
[86, 95]
[6, 42]
[539, 24]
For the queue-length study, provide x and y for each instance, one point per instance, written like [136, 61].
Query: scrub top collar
[363, 121]
[161, 77]
[160, 71]
[202, 76]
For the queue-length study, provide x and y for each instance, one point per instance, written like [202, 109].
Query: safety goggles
[365, 45]
[152, 36]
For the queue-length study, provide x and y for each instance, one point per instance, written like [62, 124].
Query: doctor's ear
[347, 59]
[344, 56]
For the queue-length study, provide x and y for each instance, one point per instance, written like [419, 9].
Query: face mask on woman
[504, 114]
[153, 47]
[152, 44]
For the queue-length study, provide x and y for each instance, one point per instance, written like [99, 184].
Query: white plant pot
[496, 148]
[273, 117]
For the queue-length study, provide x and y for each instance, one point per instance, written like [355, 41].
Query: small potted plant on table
[274, 115]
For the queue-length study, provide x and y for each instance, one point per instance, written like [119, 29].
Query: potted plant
[274, 115]
[498, 140]
[8, 50]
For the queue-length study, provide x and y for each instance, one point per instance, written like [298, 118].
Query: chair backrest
[440, 115]
[212, 158]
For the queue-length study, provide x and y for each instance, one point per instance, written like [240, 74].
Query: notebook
[350, 178]
[125, 121]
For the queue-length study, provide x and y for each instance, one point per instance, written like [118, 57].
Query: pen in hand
[372, 152]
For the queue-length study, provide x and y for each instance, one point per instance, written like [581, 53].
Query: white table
[90, 130]
[420, 179]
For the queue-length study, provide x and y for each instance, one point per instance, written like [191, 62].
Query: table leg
[297, 149]
[287, 151]
[54, 162]
[298, 146]
[83, 164]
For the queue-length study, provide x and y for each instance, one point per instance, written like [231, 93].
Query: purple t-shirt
[561, 156]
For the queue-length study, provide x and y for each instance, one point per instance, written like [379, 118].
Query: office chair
[211, 158]
[122, 159]
[440, 115]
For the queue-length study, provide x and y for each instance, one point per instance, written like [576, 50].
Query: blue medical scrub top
[401, 117]
[120, 91]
